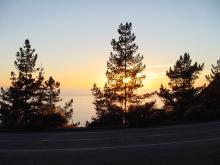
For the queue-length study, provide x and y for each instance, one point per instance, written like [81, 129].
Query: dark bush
[54, 120]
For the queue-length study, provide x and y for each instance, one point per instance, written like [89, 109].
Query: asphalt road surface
[180, 145]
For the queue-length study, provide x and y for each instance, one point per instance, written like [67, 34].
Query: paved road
[180, 145]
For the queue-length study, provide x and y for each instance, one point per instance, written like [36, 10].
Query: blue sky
[73, 38]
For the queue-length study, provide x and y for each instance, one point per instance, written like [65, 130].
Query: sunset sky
[73, 38]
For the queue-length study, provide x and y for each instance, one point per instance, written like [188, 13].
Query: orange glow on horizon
[85, 80]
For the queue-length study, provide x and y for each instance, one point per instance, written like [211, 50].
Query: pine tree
[67, 112]
[124, 68]
[56, 116]
[215, 72]
[39, 104]
[124, 76]
[99, 101]
[30, 101]
[182, 91]
[207, 104]
[52, 94]
[21, 92]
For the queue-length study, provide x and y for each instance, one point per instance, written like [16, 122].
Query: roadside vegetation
[31, 100]
[118, 104]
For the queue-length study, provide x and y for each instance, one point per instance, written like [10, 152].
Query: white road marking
[113, 147]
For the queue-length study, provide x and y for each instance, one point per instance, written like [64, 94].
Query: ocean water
[83, 109]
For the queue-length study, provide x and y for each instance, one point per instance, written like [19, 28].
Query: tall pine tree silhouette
[124, 75]
[182, 90]
[30, 101]
[23, 86]
[124, 67]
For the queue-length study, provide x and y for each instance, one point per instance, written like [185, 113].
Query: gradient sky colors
[73, 38]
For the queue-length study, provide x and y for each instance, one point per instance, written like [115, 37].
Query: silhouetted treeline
[207, 104]
[30, 101]
[118, 105]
